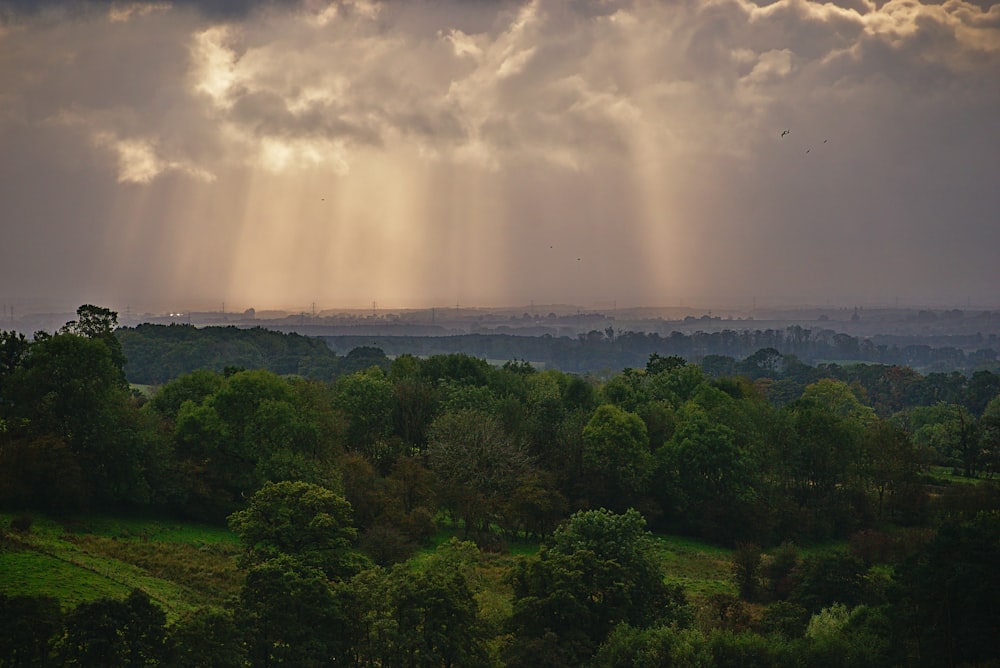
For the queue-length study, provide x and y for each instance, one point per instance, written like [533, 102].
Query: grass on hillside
[153, 530]
[180, 566]
[702, 569]
[31, 573]
[949, 475]
[184, 566]
[146, 391]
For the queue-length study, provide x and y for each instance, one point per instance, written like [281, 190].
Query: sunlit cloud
[138, 161]
[126, 10]
[213, 66]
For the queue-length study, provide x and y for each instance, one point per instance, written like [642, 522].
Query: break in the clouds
[500, 152]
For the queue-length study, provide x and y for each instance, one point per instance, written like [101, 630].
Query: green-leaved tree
[306, 522]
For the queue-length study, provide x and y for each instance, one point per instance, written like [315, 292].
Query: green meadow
[180, 566]
[184, 566]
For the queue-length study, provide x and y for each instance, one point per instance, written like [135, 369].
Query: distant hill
[612, 350]
[158, 353]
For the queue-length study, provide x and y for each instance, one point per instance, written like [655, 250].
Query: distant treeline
[598, 351]
[158, 353]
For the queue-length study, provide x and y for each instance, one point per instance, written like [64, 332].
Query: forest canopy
[333, 485]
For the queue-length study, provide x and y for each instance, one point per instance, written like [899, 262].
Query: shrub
[786, 619]
[22, 523]
[746, 571]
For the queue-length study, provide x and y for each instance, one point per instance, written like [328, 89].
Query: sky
[194, 154]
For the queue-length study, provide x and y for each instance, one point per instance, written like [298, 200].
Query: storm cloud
[491, 152]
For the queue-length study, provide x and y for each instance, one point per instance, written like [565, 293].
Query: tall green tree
[290, 615]
[30, 628]
[99, 324]
[840, 399]
[706, 483]
[597, 571]
[819, 456]
[366, 400]
[546, 411]
[617, 463]
[194, 387]
[949, 592]
[434, 620]
[658, 646]
[42, 473]
[300, 520]
[255, 427]
[989, 438]
[109, 632]
[659, 364]
[458, 367]
[891, 463]
[13, 349]
[677, 384]
[981, 389]
[413, 409]
[69, 387]
[952, 432]
[478, 464]
[206, 637]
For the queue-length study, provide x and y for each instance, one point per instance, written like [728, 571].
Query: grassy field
[700, 568]
[948, 475]
[180, 566]
[184, 566]
[145, 390]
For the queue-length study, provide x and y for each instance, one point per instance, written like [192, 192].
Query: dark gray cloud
[78, 9]
[439, 151]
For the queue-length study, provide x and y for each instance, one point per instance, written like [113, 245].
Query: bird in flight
[808, 149]
[785, 132]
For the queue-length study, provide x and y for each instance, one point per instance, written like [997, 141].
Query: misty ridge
[324, 346]
[569, 338]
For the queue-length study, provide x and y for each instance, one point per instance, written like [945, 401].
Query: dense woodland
[851, 546]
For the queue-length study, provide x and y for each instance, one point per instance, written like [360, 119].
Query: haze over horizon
[499, 152]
